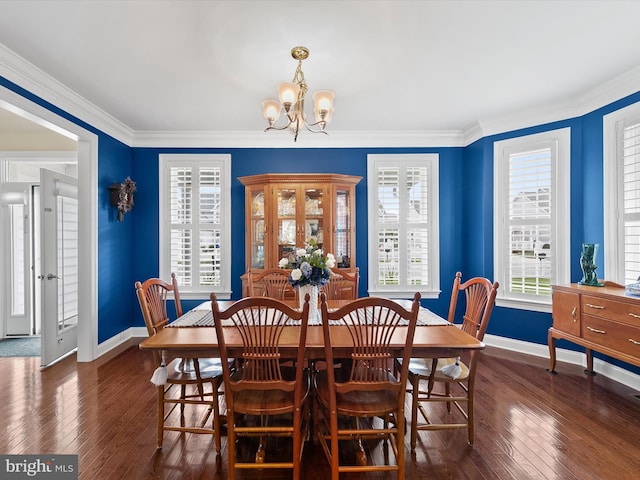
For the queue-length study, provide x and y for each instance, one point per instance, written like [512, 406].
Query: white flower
[330, 263]
[283, 262]
[296, 274]
[331, 257]
[301, 252]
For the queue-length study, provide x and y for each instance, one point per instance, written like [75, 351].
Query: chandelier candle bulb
[288, 93]
[271, 111]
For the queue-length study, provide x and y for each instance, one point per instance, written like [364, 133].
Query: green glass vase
[588, 265]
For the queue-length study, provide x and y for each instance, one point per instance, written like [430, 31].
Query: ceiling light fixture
[291, 95]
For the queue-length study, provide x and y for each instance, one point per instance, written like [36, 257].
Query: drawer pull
[635, 342]
[634, 315]
[595, 330]
[573, 314]
[599, 307]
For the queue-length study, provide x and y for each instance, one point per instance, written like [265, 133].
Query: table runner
[202, 316]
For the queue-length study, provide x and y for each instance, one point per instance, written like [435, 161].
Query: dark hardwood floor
[529, 425]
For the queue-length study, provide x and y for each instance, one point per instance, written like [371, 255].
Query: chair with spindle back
[265, 398]
[342, 285]
[270, 282]
[448, 373]
[352, 403]
[153, 294]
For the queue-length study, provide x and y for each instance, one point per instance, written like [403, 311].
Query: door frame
[87, 212]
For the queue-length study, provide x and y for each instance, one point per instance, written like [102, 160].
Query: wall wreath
[122, 196]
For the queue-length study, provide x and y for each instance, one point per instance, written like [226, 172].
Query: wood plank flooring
[529, 425]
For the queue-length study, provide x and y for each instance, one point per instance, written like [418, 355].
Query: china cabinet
[285, 211]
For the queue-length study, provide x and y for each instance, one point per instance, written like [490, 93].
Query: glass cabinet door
[286, 221]
[313, 216]
[343, 228]
[288, 211]
[257, 232]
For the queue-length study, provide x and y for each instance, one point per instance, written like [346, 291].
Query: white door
[59, 257]
[16, 259]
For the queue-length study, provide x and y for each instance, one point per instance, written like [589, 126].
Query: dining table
[194, 335]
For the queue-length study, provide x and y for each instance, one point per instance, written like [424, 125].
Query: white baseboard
[120, 339]
[613, 372]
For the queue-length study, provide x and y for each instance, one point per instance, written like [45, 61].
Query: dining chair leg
[231, 446]
[183, 395]
[196, 367]
[260, 454]
[470, 419]
[361, 455]
[399, 446]
[415, 393]
[160, 415]
[216, 414]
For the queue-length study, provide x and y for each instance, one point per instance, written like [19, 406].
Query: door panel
[16, 252]
[59, 256]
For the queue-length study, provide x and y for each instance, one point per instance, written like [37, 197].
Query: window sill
[204, 295]
[524, 305]
[403, 294]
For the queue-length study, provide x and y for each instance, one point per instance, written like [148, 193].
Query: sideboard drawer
[618, 336]
[623, 312]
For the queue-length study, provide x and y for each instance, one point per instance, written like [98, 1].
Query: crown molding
[284, 139]
[581, 104]
[19, 71]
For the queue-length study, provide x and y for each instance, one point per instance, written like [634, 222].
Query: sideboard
[602, 319]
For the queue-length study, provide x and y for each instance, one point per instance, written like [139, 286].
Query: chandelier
[291, 95]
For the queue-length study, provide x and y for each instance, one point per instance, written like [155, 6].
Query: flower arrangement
[309, 266]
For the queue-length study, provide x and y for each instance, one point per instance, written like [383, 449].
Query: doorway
[20, 217]
[87, 160]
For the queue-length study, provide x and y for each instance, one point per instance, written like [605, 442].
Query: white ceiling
[396, 66]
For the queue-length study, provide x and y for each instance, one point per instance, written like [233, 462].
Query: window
[195, 223]
[622, 194]
[403, 225]
[531, 207]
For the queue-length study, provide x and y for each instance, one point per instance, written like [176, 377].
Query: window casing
[404, 254]
[622, 194]
[195, 223]
[531, 211]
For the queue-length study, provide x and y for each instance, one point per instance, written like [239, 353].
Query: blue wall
[128, 250]
[116, 299]
[252, 161]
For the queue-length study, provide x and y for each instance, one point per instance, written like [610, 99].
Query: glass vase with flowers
[310, 270]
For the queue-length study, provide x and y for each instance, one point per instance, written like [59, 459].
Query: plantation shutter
[195, 211]
[402, 233]
[631, 201]
[530, 221]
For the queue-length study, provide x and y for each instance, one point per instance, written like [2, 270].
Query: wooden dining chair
[188, 375]
[265, 399]
[270, 282]
[342, 285]
[366, 402]
[447, 374]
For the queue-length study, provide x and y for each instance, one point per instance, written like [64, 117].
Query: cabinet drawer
[623, 312]
[618, 336]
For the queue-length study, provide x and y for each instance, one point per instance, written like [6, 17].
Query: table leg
[552, 353]
[589, 369]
